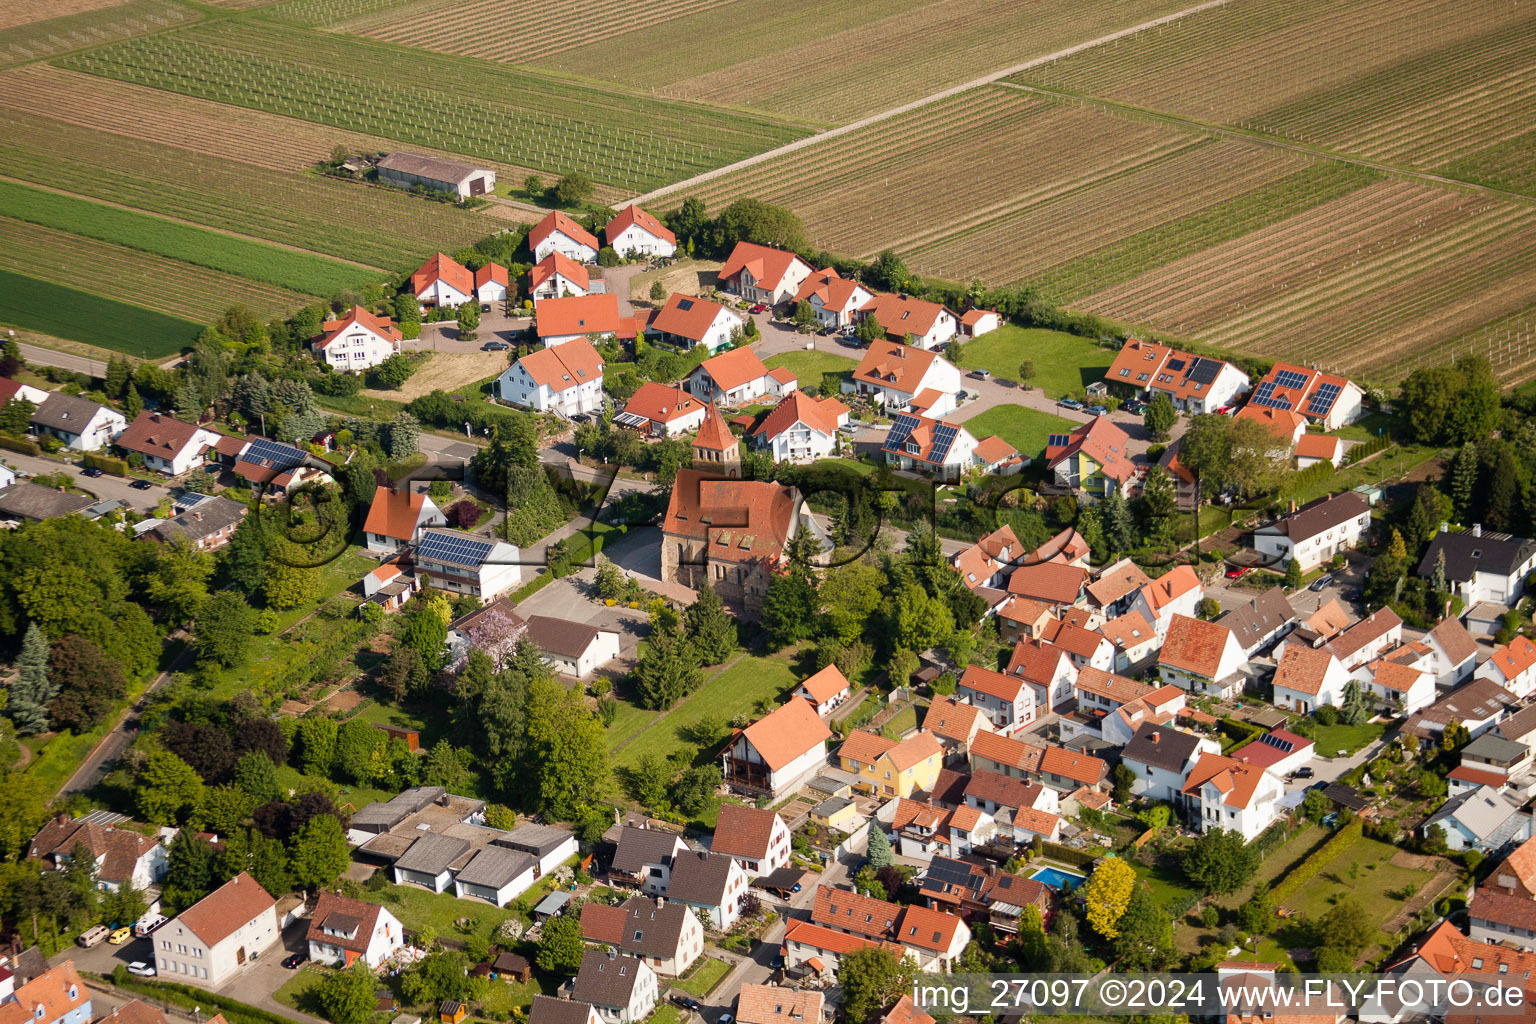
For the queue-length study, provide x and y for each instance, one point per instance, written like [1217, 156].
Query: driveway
[104, 486]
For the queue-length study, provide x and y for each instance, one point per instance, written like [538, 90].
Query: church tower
[715, 449]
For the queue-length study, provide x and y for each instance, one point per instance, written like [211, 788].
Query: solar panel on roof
[952, 871]
[943, 439]
[1175, 364]
[449, 548]
[900, 428]
[1265, 396]
[685, 304]
[1291, 379]
[272, 453]
[1205, 371]
[1058, 440]
[1322, 400]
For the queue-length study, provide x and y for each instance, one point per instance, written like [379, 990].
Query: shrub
[1304, 872]
[1327, 714]
[105, 463]
[463, 514]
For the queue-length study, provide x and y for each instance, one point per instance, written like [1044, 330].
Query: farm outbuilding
[407, 169]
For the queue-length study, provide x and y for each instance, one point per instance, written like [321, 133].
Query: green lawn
[1337, 740]
[735, 691]
[1166, 884]
[665, 1013]
[811, 365]
[1020, 426]
[501, 995]
[906, 719]
[706, 974]
[295, 993]
[1364, 873]
[1063, 362]
[419, 909]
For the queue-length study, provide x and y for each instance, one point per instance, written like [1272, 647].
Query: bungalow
[1512, 666]
[714, 885]
[575, 649]
[15, 390]
[1330, 402]
[1194, 383]
[889, 767]
[644, 858]
[976, 322]
[121, 856]
[1279, 750]
[1133, 638]
[443, 281]
[1093, 460]
[835, 300]
[406, 170]
[634, 232]
[462, 564]
[557, 276]
[79, 422]
[733, 378]
[1315, 448]
[397, 517]
[622, 989]
[557, 232]
[1453, 652]
[688, 321]
[1202, 657]
[759, 273]
[390, 585]
[551, 1010]
[801, 428]
[825, 689]
[577, 316]
[779, 752]
[1483, 819]
[1317, 531]
[1161, 759]
[566, 379]
[1309, 677]
[1176, 592]
[938, 448]
[756, 836]
[665, 935]
[1008, 700]
[167, 444]
[1262, 621]
[662, 410]
[1047, 670]
[343, 931]
[893, 375]
[1223, 792]
[206, 526]
[916, 322]
[955, 724]
[1481, 566]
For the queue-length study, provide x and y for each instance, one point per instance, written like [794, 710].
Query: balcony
[748, 776]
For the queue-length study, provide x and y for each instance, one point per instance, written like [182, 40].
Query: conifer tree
[30, 696]
[710, 628]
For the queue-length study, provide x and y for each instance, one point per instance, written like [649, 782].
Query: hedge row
[1240, 731]
[105, 463]
[1304, 872]
[1067, 855]
[1366, 449]
[186, 996]
[25, 445]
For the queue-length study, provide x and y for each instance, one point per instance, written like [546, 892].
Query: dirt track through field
[954, 90]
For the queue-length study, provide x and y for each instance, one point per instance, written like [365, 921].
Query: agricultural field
[36, 29]
[833, 63]
[1372, 283]
[375, 227]
[131, 275]
[475, 108]
[297, 271]
[80, 316]
[1423, 83]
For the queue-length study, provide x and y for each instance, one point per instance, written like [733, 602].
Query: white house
[1512, 666]
[895, 375]
[567, 318]
[936, 938]
[622, 989]
[357, 341]
[643, 857]
[801, 428]
[552, 1010]
[665, 935]
[917, 322]
[1314, 448]
[1007, 700]
[557, 275]
[1202, 657]
[1364, 640]
[633, 232]
[557, 232]
[1161, 759]
[1196, 384]
[1483, 819]
[495, 874]
[778, 752]
[492, 283]
[122, 856]
[805, 941]
[438, 173]
[1317, 531]
[443, 281]
[210, 941]
[1047, 669]
[1481, 566]
[167, 444]
[1404, 687]
[1308, 677]
[12, 389]
[825, 689]
[1329, 401]
[1453, 652]
[759, 273]
[1223, 792]
[714, 885]
[835, 300]
[688, 321]
[343, 931]
[1176, 592]
[566, 379]
[756, 836]
[462, 564]
[731, 378]
[934, 447]
[397, 517]
[79, 422]
[661, 410]
[976, 322]
[575, 649]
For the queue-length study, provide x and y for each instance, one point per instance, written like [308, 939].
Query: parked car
[1134, 407]
[1098, 410]
[294, 960]
[961, 396]
[148, 923]
[1322, 581]
[1237, 572]
[93, 936]
[141, 485]
[90, 471]
[142, 969]
[495, 346]
[1354, 594]
[1004, 382]
[757, 307]
[485, 308]
[1304, 772]
[683, 999]
[121, 935]
[1070, 403]
[980, 374]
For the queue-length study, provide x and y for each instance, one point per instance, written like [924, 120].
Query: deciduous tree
[560, 946]
[225, 627]
[1219, 861]
[1107, 894]
[318, 852]
[88, 684]
[871, 980]
[346, 997]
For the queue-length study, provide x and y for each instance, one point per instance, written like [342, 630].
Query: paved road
[63, 360]
[104, 486]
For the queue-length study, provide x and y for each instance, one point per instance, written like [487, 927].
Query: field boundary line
[188, 223]
[1259, 138]
[923, 101]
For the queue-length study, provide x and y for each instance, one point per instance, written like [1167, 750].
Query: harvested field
[1372, 283]
[832, 63]
[378, 227]
[130, 275]
[80, 23]
[479, 109]
[447, 371]
[1424, 83]
[691, 277]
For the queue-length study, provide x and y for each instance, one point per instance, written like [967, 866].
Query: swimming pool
[1058, 879]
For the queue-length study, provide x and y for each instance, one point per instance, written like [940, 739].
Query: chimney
[197, 515]
[1445, 527]
[1477, 529]
[1157, 737]
[661, 901]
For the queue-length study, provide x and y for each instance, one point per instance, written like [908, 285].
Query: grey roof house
[1481, 566]
[1483, 820]
[622, 989]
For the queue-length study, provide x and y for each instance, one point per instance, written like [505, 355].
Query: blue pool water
[1055, 878]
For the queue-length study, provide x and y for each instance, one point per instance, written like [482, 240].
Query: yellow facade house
[889, 768]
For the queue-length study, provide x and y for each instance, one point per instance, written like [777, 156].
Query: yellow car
[121, 936]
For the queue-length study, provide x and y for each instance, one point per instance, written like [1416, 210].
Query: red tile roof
[1194, 645]
[1142, 360]
[820, 937]
[902, 316]
[950, 719]
[1056, 582]
[924, 435]
[382, 326]
[51, 993]
[1108, 685]
[865, 747]
[1035, 661]
[361, 916]
[786, 732]
[1303, 668]
[394, 513]
[688, 316]
[744, 831]
[1451, 954]
[558, 263]
[1297, 397]
[892, 364]
[1270, 749]
[577, 314]
[1129, 630]
[992, 449]
[603, 923]
[820, 414]
[661, 403]
[1395, 676]
[993, 684]
[446, 269]
[1283, 423]
[835, 292]
[1514, 657]
[564, 366]
[557, 221]
[231, 906]
[826, 684]
[730, 370]
[1006, 750]
[633, 215]
[766, 265]
[1236, 781]
[153, 433]
[915, 749]
[1103, 442]
[862, 915]
[1169, 587]
[489, 272]
[1070, 764]
[714, 433]
[928, 929]
[1478, 777]
[1318, 446]
[1075, 640]
[741, 520]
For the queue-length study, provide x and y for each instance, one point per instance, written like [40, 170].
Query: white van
[94, 935]
[148, 923]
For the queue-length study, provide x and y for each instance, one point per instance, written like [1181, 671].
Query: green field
[1365, 873]
[464, 106]
[80, 316]
[1063, 362]
[298, 271]
[1020, 426]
